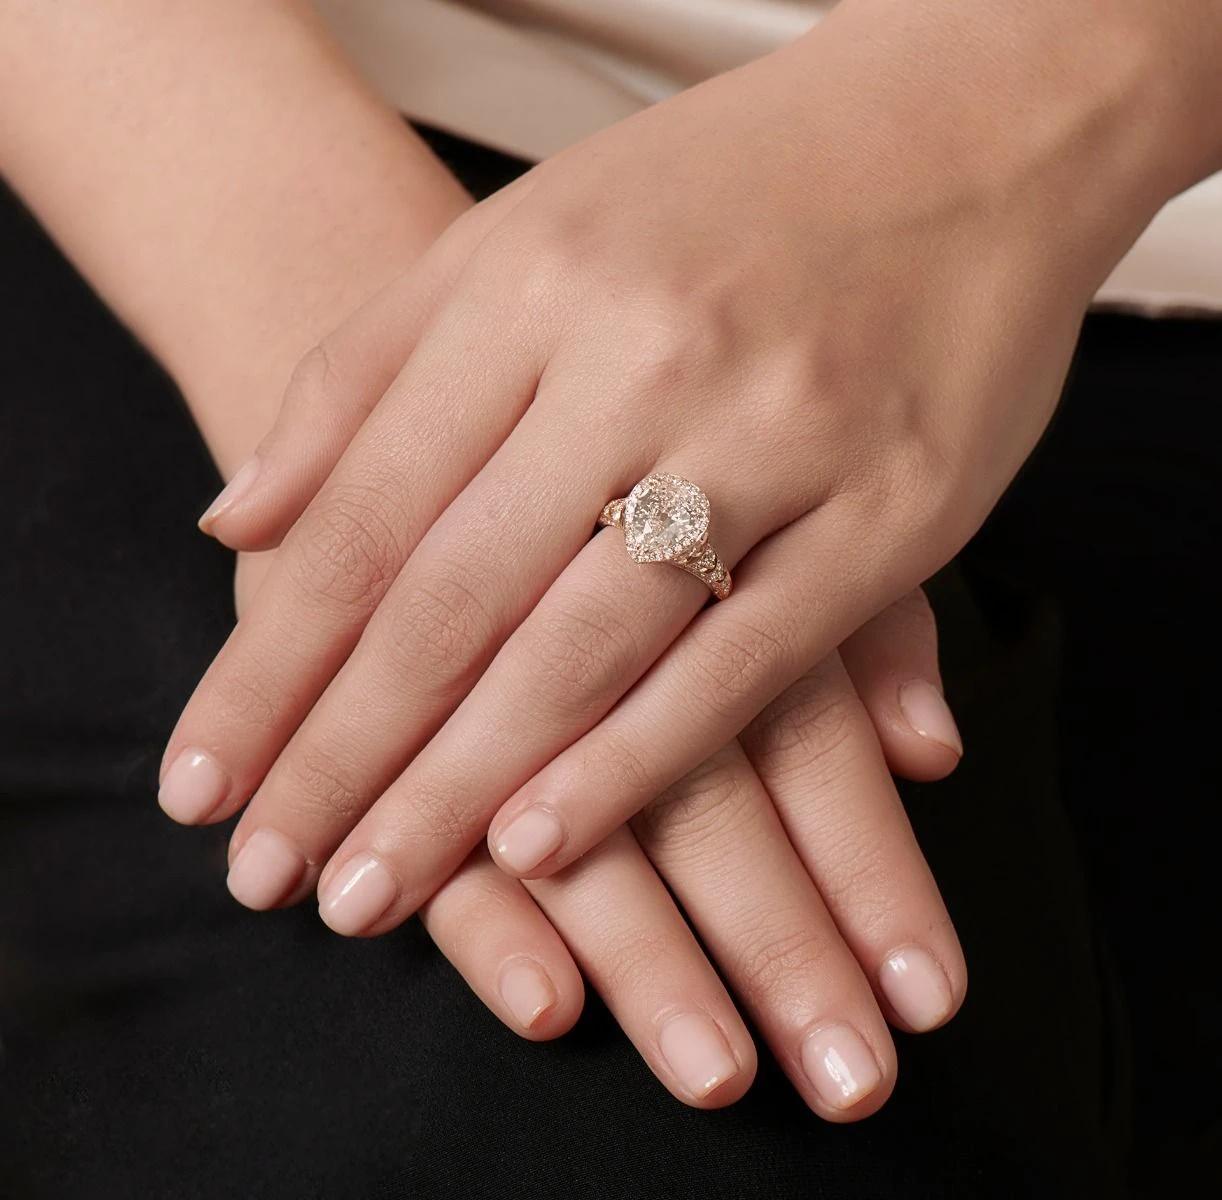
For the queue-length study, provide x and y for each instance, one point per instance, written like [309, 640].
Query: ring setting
[665, 519]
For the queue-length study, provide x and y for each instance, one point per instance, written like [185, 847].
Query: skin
[441, 649]
[327, 199]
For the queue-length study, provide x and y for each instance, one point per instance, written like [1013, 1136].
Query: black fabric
[159, 1041]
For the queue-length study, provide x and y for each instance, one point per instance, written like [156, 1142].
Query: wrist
[1182, 49]
[226, 183]
[298, 253]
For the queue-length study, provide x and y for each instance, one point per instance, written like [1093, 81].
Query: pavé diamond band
[666, 519]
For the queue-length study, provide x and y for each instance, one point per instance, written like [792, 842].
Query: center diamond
[665, 517]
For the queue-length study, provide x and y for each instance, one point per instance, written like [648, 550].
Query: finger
[716, 840]
[794, 600]
[398, 475]
[638, 953]
[506, 949]
[893, 662]
[336, 385]
[816, 752]
[477, 573]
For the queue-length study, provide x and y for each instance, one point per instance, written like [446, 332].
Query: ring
[666, 519]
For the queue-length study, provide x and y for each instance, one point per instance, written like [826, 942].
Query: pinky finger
[893, 663]
[495, 936]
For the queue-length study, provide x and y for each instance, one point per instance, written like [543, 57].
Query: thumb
[893, 662]
[337, 384]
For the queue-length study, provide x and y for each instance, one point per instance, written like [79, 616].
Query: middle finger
[717, 841]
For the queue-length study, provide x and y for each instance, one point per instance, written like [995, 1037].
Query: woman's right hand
[792, 858]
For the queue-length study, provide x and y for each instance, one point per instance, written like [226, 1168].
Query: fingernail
[840, 1066]
[527, 840]
[697, 1052]
[231, 493]
[357, 895]
[193, 788]
[928, 714]
[527, 991]
[917, 988]
[266, 870]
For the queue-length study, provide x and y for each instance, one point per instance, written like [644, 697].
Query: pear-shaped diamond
[665, 517]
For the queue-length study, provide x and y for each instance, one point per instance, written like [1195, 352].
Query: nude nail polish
[697, 1052]
[929, 715]
[230, 494]
[193, 787]
[528, 839]
[526, 990]
[266, 870]
[917, 988]
[357, 895]
[840, 1066]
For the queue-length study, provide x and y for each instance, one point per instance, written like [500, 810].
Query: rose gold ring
[666, 519]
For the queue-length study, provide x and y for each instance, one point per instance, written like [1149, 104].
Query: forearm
[1088, 116]
[220, 176]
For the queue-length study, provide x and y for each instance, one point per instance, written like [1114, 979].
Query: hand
[852, 345]
[791, 856]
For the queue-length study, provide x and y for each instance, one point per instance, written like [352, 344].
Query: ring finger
[635, 948]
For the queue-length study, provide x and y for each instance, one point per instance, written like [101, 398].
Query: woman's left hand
[848, 329]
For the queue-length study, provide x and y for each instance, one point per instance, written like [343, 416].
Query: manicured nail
[840, 1066]
[927, 713]
[266, 870]
[193, 788]
[527, 840]
[357, 895]
[697, 1052]
[230, 494]
[917, 988]
[527, 991]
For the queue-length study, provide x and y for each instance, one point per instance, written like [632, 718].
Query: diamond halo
[666, 519]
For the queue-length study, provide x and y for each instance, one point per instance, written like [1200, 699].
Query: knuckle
[632, 958]
[734, 662]
[348, 550]
[666, 341]
[910, 490]
[772, 960]
[702, 811]
[472, 912]
[439, 629]
[915, 472]
[794, 387]
[323, 786]
[617, 763]
[580, 655]
[248, 698]
[808, 725]
[440, 814]
[315, 381]
[857, 878]
[541, 262]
